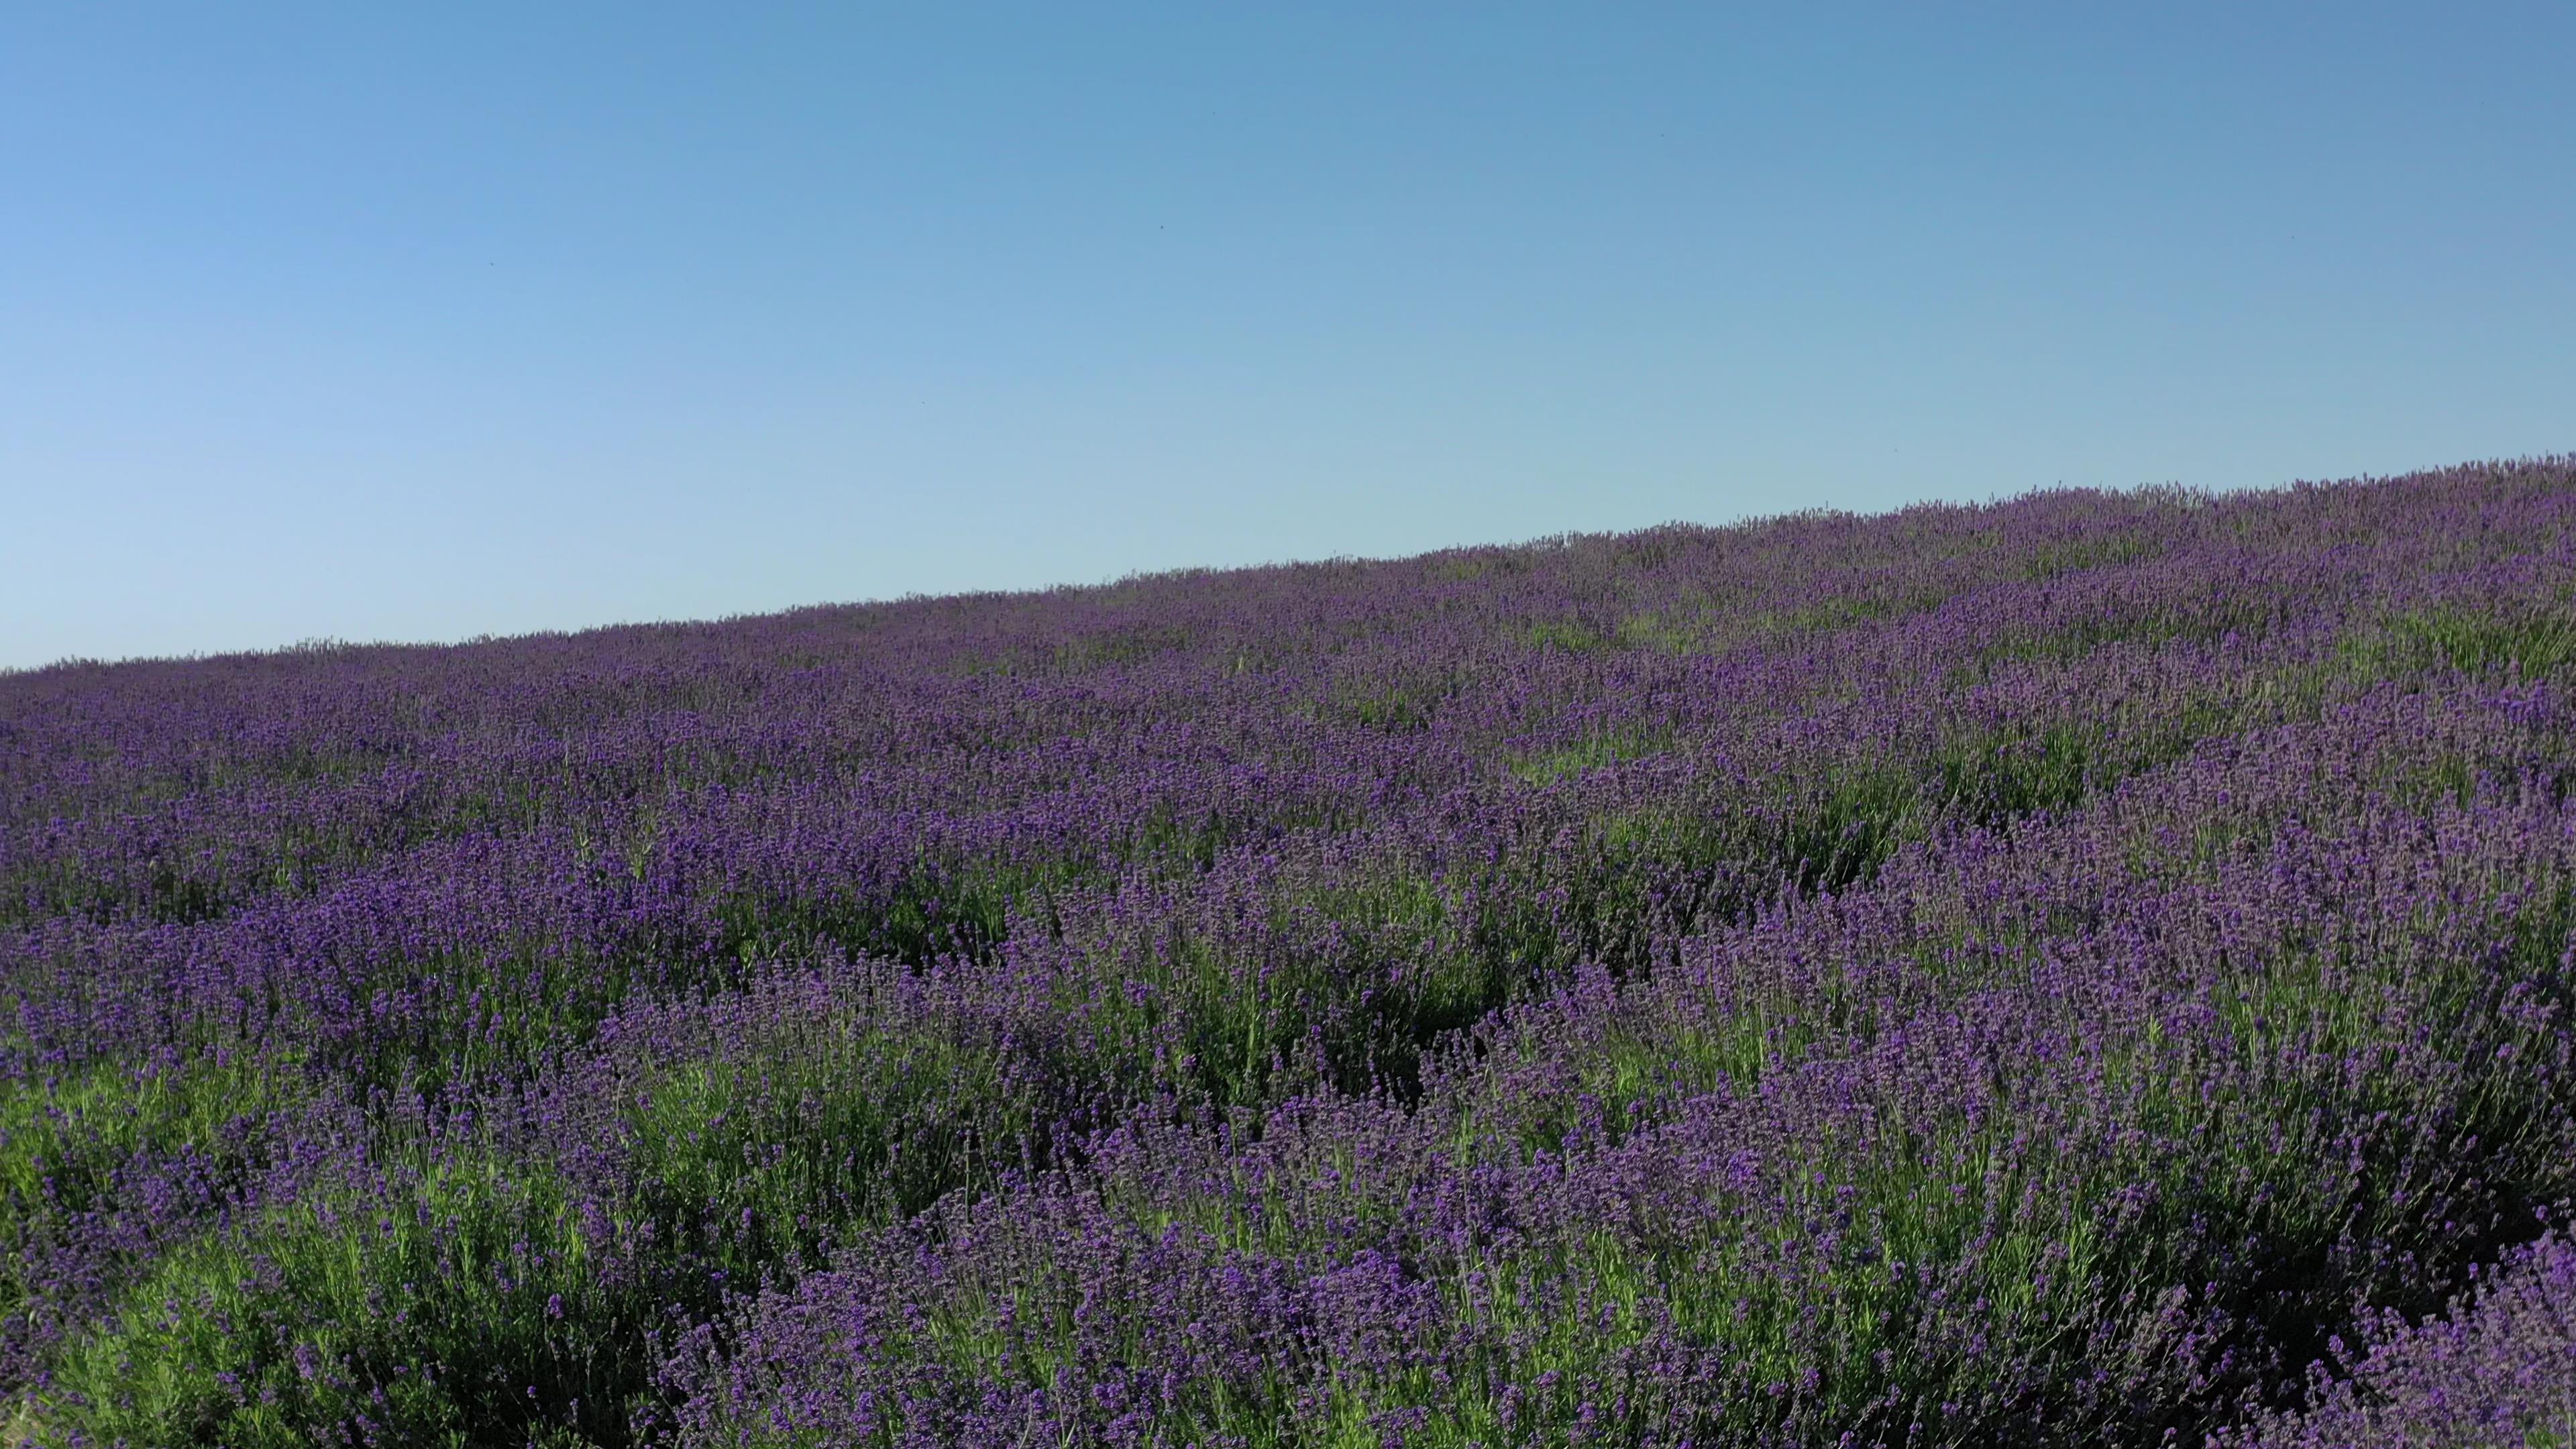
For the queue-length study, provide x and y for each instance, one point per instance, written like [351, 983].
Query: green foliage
[1593, 752]
[852, 1112]
[85, 1145]
[1567, 635]
[460, 1301]
[1396, 703]
[1714, 629]
[1127, 644]
[2493, 642]
[477, 1291]
[2049, 561]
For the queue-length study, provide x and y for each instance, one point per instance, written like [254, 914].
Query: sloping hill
[2032, 974]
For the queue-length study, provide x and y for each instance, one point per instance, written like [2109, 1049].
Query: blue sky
[427, 321]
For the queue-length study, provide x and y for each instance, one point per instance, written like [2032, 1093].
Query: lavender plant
[2088, 969]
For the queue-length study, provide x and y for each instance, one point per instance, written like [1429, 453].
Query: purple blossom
[2088, 969]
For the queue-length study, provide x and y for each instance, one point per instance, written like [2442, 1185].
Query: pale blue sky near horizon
[418, 322]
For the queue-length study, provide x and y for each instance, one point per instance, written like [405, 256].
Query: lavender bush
[2089, 969]
[2498, 1370]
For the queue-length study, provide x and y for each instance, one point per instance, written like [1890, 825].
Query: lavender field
[2093, 969]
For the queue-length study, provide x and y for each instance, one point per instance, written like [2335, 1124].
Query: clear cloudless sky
[424, 321]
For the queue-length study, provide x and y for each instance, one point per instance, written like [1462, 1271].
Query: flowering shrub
[2091, 969]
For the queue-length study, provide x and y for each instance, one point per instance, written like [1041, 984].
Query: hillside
[2046, 973]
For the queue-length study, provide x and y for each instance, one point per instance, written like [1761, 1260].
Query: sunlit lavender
[2090, 969]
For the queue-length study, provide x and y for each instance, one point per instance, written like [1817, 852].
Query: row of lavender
[2035, 973]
